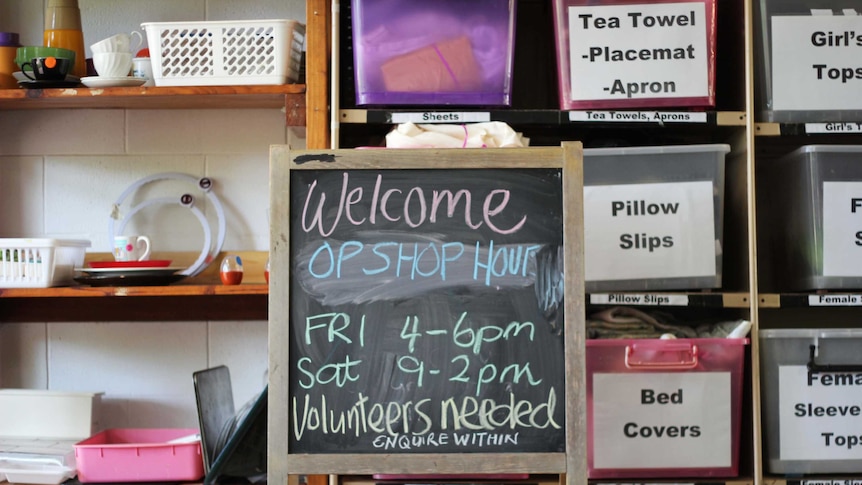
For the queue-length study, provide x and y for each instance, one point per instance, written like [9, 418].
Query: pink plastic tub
[139, 455]
[664, 408]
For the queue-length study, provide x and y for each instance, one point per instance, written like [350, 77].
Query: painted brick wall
[60, 173]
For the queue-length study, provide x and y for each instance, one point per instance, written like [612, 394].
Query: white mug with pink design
[131, 248]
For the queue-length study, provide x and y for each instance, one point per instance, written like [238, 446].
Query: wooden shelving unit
[221, 97]
[125, 303]
[203, 297]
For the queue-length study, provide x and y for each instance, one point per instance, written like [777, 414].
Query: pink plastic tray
[139, 455]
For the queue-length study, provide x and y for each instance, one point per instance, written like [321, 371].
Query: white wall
[60, 173]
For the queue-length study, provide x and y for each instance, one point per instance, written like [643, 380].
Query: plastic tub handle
[815, 367]
[689, 362]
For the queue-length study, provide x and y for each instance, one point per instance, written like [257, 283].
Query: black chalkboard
[426, 303]
[425, 311]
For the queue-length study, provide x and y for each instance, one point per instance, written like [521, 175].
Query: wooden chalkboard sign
[426, 312]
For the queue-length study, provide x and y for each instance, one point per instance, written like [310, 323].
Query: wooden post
[317, 35]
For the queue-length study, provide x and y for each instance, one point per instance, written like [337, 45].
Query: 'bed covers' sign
[426, 305]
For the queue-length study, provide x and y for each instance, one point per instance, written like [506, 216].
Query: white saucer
[111, 82]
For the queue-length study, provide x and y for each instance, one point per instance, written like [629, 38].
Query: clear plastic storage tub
[653, 217]
[446, 52]
[811, 417]
[811, 206]
[631, 54]
[664, 408]
[808, 46]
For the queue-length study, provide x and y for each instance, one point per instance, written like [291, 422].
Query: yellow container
[7, 67]
[63, 29]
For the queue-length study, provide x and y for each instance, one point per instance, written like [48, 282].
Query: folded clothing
[631, 323]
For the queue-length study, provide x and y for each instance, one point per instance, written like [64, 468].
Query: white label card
[441, 117]
[820, 418]
[638, 116]
[641, 51]
[638, 231]
[650, 299]
[662, 420]
[833, 299]
[843, 127]
[816, 62]
[842, 228]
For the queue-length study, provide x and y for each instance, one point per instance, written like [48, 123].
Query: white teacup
[131, 248]
[118, 43]
[113, 64]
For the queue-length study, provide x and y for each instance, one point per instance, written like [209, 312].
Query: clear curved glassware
[230, 270]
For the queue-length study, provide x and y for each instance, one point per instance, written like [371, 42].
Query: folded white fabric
[493, 134]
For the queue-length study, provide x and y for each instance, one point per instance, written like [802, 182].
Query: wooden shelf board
[525, 116]
[181, 97]
[178, 289]
[141, 303]
[690, 299]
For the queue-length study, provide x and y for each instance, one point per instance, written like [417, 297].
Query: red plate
[151, 263]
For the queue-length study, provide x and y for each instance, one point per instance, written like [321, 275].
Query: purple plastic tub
[446, 52]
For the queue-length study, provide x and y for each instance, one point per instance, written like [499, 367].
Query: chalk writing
[425, 310]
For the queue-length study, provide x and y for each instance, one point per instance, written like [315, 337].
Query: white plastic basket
[225, 53]
[40, 263]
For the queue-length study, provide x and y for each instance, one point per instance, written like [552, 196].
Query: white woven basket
[225, 53]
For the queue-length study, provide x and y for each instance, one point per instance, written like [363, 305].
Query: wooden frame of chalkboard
[426, 312]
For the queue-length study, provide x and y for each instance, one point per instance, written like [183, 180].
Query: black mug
[47, 68]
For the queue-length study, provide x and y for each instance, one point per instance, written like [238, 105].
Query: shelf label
[638, 51]
[842, 127]
[662, 420]
[819, 415]
[441, 117]
[637, 116]
[638, 231]
[834, 300]
[824, 482]
[651, 299]
[842, 229]
[818, 55]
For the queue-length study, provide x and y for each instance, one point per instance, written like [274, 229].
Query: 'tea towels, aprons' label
[819, 415]
[820, 56]
[637, 231]
[842, 228]
[662, 420]
[638, 51]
